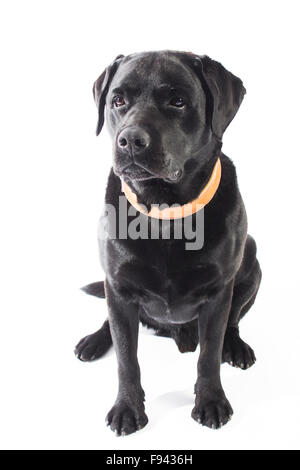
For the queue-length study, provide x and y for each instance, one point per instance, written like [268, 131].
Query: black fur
[166, 153]
[96, 289]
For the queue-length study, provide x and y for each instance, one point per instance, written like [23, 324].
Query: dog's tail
[96, 289]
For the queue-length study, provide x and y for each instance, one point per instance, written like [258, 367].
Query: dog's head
[163, 109]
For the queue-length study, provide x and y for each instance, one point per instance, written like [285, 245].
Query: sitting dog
[166, 113]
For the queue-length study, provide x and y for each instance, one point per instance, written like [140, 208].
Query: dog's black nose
[133, 139]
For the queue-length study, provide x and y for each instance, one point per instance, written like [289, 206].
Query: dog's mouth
[136, 172]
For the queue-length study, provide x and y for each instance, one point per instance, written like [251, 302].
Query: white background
[53, 177]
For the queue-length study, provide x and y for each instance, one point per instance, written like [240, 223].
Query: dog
[166, 112]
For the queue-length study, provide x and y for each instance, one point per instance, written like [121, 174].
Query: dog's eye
[177, 101]
[118, 101]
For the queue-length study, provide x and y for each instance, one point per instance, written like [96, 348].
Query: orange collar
[176, 211]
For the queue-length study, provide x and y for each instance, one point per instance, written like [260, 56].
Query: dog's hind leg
[94, 346]
[185, 336]
[235, 351]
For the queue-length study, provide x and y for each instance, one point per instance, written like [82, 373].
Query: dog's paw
[237, 353]
[123, 419]
[92, 347]
[213, 413]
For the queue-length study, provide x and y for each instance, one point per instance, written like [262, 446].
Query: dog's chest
[168, 286]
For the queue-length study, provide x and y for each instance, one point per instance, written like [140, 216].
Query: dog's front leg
[127, 415]
[212, 408]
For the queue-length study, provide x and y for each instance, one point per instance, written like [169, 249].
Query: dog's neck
[196, 175]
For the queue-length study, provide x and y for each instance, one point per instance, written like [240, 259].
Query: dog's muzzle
[134, 144]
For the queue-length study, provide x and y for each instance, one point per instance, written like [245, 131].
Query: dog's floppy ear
[100, 89]
[226, 90]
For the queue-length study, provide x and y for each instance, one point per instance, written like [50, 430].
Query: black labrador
[166, 113]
